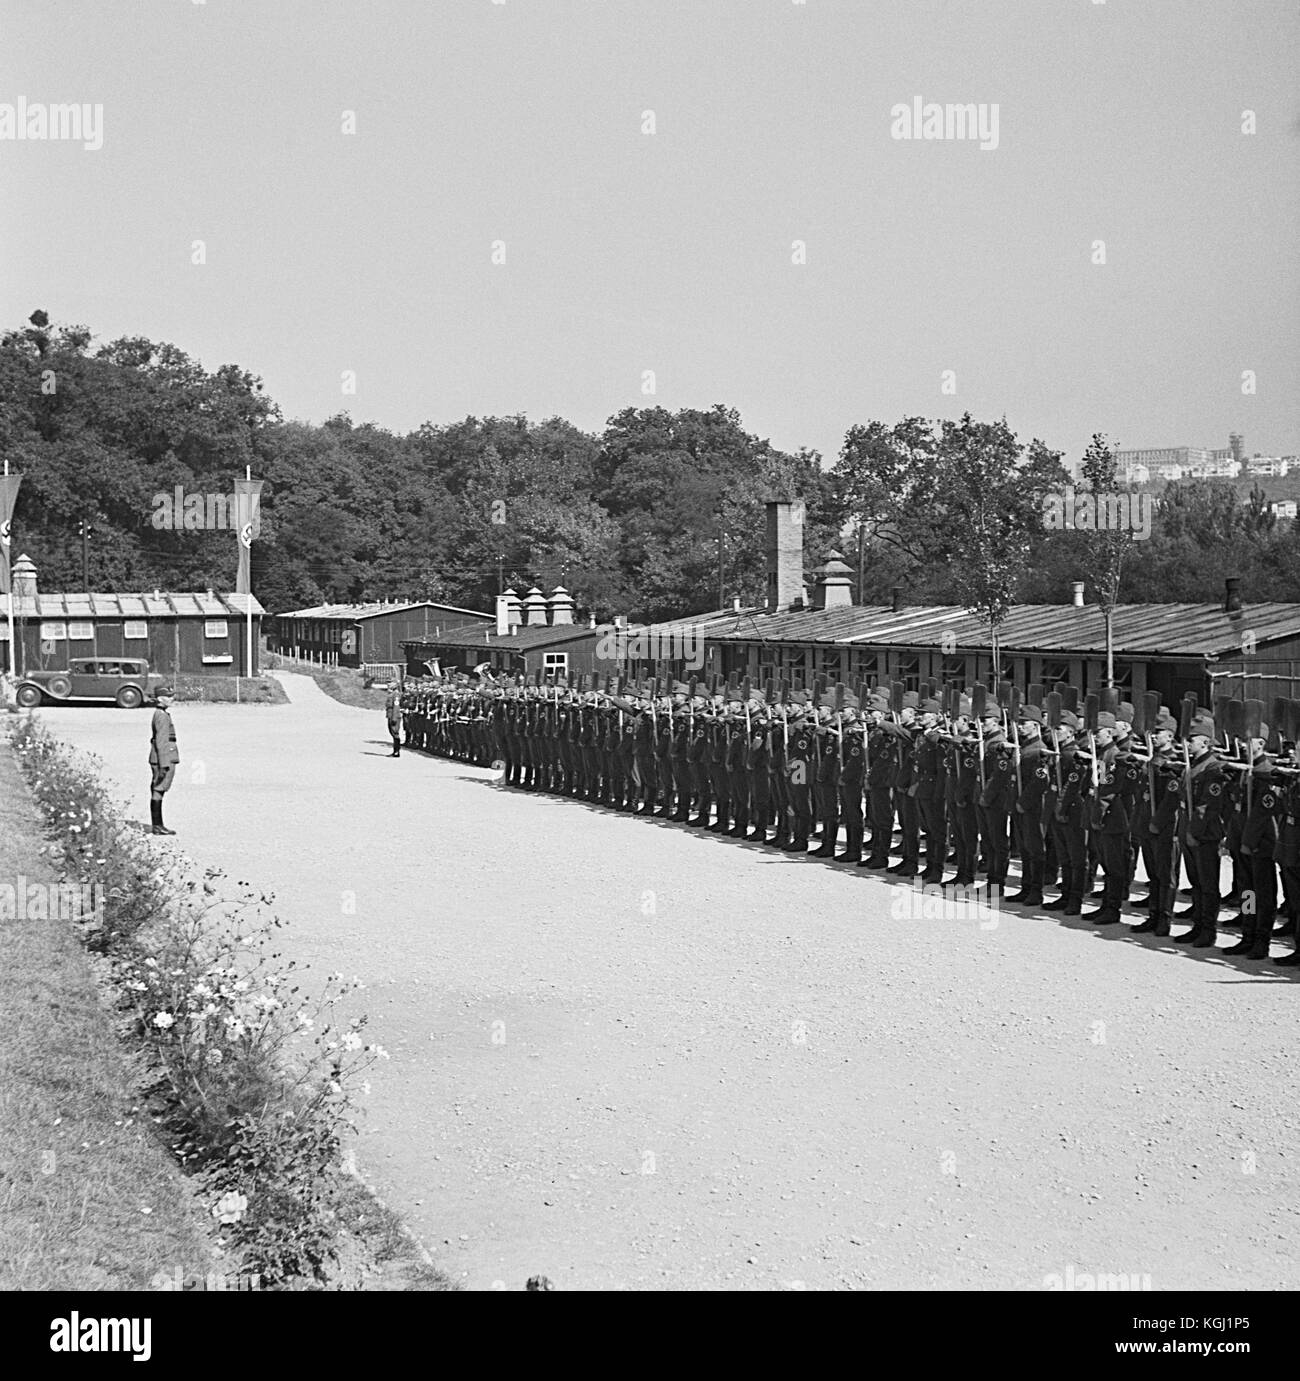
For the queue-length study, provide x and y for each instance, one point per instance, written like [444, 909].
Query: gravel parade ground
[631, 1054]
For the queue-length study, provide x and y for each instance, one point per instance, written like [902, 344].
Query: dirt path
[626, 1054]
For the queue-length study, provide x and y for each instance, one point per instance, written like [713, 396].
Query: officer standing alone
[163, 757]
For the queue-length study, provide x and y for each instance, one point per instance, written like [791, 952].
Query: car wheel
[28, 696]
[128, 697]
[59, 687]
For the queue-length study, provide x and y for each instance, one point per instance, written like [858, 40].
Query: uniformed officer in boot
[163, 757]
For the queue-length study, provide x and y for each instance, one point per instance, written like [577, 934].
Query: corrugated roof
[523, 640]
[354, 612]
[188, 604]
[1177, 630]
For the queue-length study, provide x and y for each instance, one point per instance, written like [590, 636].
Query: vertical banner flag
[248, 514]
[8, 497]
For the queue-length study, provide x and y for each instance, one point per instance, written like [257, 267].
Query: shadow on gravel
[1120, 931]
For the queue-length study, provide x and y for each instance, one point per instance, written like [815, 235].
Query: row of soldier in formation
[1073, 784]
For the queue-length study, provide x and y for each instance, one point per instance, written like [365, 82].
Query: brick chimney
[1232, 595]
[561, 606]
[784, 553]
[834, 583]
[535, 608]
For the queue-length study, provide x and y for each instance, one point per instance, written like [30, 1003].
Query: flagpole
[9, 580]
[248, 646]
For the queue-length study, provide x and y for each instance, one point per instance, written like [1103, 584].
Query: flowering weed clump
[250, 1078]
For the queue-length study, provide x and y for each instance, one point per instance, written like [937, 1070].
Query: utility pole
[84, 528]
[862, 547]
[722, 598]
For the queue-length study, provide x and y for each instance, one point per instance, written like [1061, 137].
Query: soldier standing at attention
[827, 790]
[1028, 813]
[852, 774]
[163, 757]
[882, 766]
[1258, 847]
[928, 780]
[1203, 830]
[393, 714]
[778, 783]
[756, 769]
[1110, 817]
[905, 789]
[798, 771]
[1155, 822]
[1069, 821]
[699, 761]
[718, 767]
[961, 788]
[996, 797]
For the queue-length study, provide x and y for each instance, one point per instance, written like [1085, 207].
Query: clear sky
[625, 251]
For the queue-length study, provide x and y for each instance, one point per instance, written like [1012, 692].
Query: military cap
[827, 701]
[878, 702]
[931, 707]
[1105, 720]
[1069, 720]
[850, 701]
[167, 690]
[1203, 726]
[798, 697]
[911, 699]
[1164, 720]
[992, 712]
[1125, 712]
[1030, 714]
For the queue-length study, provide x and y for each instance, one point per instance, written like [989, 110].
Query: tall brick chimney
[784, 552]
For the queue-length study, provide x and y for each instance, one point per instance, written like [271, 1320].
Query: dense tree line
[654, 517]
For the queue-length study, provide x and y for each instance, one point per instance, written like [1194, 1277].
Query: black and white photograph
[650, 646]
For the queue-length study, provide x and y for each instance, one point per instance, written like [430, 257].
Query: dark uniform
[852, 777]
[163, 758]
[1029, 814]
[1259, 838]
[1203, 830]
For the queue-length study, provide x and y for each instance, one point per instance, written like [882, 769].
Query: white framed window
[215, 628]
[555, 661]
[135, 628]
[53, 630]
[82, 631]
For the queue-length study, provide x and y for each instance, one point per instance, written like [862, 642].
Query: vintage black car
[127, 681]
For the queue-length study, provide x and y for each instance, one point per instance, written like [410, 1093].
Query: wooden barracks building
[354, 635]
[811, 627]
[188, 632]
[533, 634]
